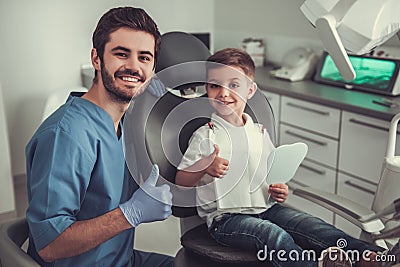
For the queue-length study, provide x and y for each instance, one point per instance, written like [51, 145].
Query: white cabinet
[315, 125]
[318, 127]
[363, 144]
[310, 116]
[357, 190]
[317, 176]
[320, 148]
[346, 152]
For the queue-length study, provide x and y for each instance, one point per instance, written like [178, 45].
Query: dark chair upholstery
[13, 235]
[149, 114]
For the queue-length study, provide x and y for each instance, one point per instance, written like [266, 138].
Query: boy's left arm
[279, 192]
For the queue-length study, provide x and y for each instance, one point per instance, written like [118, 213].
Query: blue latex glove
[156, 87]
[149, 203]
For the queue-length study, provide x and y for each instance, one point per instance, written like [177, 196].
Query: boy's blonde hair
[233, 57]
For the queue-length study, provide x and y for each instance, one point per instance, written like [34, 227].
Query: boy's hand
[219, 166]
[279, 192]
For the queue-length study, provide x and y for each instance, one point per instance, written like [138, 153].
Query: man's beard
[116, 93]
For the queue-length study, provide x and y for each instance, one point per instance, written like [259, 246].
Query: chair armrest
[388, 233]
[12, 235]
[345, 208]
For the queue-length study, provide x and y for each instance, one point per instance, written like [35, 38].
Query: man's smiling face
[128, 62]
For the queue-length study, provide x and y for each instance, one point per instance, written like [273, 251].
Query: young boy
[272, 227]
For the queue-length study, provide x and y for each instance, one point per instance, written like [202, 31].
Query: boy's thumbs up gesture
[219, 166]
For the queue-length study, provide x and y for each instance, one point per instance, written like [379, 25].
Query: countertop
[332, 96]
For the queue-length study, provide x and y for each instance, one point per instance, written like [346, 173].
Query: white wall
[44, 42]
[278, 22]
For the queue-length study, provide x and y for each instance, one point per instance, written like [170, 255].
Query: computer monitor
[378, 75]
[204, 37]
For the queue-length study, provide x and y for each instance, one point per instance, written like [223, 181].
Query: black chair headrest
[180, 47]
[182, 58]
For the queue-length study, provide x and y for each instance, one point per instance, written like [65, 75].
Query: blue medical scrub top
[76, 171]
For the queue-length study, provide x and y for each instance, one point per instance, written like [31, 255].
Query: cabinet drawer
[359, 191]
[311, 116]
[321, 149]
[316, 176]
[363, 145]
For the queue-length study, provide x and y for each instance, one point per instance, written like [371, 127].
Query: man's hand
[149, 203]
[219, 166]
[156, 87]
[279, 192]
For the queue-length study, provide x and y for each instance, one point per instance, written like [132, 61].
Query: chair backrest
[387, 191]
[163, 126]
[13, 234]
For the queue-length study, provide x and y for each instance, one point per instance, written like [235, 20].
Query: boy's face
[228, 89]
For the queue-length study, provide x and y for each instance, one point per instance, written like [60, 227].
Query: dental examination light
[354, 26]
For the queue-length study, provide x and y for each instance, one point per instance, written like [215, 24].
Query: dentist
[83, 203]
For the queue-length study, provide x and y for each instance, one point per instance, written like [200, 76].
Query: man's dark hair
[124, 17]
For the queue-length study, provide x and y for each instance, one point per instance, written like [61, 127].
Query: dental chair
[162, 128]
[379, 224]
[13, 235]
[337, 27]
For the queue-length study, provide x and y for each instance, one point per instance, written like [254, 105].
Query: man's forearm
[82, 236]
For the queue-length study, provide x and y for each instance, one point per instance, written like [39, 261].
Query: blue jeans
[283, 236]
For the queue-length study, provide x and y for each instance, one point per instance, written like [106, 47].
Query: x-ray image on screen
[372, 74]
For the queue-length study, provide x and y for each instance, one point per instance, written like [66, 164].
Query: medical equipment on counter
[354, 25]
[298, 64]
[374, 74]
[256, 49]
